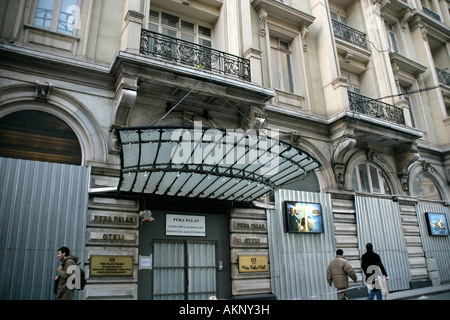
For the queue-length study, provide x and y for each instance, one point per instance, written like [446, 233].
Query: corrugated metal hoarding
[298, 262]
[43, 206]
[379, 222]
[436, 246]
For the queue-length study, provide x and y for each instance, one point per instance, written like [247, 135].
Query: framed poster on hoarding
[437, 224]
[303, 217]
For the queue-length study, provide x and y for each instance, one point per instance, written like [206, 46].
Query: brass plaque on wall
[253, 263]
[111, 266]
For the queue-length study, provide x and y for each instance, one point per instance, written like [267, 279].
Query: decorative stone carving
[404, 157]
[405, 16]
[255, 118]
[124, 100]
[424, 31]
[304, 32]
[42, 91]
[262, 22]
[295, 138]
[341, 148]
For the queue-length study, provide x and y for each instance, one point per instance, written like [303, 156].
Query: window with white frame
[392, 38]
[57, 15]
[281, 65]
[368, 178]
[180, 28]
[339, 17]
[407, 98]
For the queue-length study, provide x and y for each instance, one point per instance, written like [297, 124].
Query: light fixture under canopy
[210, 163]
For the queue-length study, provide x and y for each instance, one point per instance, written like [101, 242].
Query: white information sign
[184, 225]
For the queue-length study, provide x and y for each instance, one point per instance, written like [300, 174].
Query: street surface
[434, 296]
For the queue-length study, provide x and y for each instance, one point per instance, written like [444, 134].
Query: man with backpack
[62, 290]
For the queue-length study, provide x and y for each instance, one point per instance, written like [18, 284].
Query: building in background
[166, 141]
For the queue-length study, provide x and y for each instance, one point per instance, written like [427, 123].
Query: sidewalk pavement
[406, 294]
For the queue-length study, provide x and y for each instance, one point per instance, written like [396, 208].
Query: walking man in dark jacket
[370, 258]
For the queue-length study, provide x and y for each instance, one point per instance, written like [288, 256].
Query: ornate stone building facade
[343, 103]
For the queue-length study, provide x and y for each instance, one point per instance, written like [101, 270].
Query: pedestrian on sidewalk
[338, 272]
[372, 267]
[67, 260]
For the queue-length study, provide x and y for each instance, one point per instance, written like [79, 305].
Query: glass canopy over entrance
[211, 163]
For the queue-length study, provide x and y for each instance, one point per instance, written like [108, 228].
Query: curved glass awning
[196, 162]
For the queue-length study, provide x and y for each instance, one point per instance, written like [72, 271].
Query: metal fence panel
[298, 262]
[379, 222]
[437, 247]
[43, 206]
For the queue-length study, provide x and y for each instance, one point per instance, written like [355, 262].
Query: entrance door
[184, 270]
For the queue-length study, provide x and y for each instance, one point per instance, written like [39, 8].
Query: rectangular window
[44, 14]
[339, 17]
[364, 178]
[176, 27]
[281, 65]
[392, 38]
[57, 15]
[375, 181]
[406, 97]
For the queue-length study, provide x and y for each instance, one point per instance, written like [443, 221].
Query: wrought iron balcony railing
[349, 34]
[432, 14]
[444, 77]
[374, 108]
[193, 55]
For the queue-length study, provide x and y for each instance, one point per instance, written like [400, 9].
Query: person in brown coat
[338, 272]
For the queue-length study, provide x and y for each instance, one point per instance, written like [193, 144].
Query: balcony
[374, 108]
[349, 34]
[443, 76]
[192, 55]
[432, 14]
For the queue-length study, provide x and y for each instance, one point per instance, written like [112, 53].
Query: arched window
[38, 136]
[368, 178]
[425, 187]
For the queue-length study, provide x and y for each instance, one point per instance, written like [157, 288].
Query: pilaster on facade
[133, 22]
[112, 233]
[248, 238]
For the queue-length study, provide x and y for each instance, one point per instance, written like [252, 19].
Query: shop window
[425, 187]
[38, 136]
[281, 65]
[368, 178]
[56, 15]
